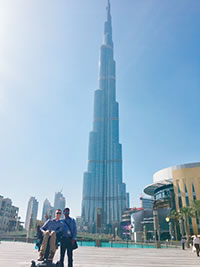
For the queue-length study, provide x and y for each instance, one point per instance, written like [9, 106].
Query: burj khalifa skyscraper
[103, 187]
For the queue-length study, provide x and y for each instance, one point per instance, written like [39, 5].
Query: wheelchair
[45, 262]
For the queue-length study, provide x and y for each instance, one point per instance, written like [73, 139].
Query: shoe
[59, 264]
[41, 258]
[51, 255]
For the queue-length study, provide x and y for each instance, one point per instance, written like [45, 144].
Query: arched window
[179, 198]
[186, 197]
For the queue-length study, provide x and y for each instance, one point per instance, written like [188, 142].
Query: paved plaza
[14, 254]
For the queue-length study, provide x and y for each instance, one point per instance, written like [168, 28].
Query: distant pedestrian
[196, 244]
[183, 243]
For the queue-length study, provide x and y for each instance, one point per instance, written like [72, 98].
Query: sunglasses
[58, 212]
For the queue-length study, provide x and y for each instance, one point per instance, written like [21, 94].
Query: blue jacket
[52, 225]
[69, 229]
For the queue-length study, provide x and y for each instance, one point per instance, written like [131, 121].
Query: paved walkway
[20, 255]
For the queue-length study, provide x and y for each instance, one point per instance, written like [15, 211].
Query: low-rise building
[174, 188]
[9, 220]
[125, 224]
[146, 203]
[142, 225]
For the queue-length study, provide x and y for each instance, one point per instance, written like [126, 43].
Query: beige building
[9, 220]
[179, 184]
[186, 181]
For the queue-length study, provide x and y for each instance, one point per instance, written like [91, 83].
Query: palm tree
[185, 213]
[196, 207]
[175, 216]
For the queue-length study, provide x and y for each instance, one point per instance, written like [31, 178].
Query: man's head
[66, 212]
[58, 214]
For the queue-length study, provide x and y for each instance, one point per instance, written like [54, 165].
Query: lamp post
[144, 233]
[167, 219]
[156, 228]
[181, 227]
[170, 231]
[115, 233]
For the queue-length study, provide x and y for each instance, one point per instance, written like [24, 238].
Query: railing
[104, 243]
[127, 244]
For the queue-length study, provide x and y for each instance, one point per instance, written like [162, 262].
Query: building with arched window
[177, 187]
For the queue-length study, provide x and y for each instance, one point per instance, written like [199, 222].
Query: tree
[175, 216]
[196, 206]
[185, 213]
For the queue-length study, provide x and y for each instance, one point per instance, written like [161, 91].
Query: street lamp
[170, 230]
[115, 233]
[181, 227]
[144, 233]
[167, 219]
[156, 228]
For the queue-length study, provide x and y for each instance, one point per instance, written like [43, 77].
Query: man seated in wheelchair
[51, 233]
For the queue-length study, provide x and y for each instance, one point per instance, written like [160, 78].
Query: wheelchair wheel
[33, 264]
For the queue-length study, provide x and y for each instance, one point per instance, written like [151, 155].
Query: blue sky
[49, 54]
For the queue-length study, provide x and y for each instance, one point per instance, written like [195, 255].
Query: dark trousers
[197, 248]
[183, 245]
[66, 244]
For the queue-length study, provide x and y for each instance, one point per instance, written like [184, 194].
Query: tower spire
[108, 11]
[108, 27]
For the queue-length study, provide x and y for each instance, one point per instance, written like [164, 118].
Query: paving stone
[16, 254]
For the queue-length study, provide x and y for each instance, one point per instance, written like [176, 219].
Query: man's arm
[45, 226]
[74, 230]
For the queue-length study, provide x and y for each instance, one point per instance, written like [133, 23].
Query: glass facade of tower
[103, 187]
[31, 214]
[59, 203]
[47, 210]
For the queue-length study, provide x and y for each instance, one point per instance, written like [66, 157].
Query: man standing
[68, 238]
[183, 243]
[196, 243]
[50, 229]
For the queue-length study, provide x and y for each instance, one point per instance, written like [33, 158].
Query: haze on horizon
[48, 73]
